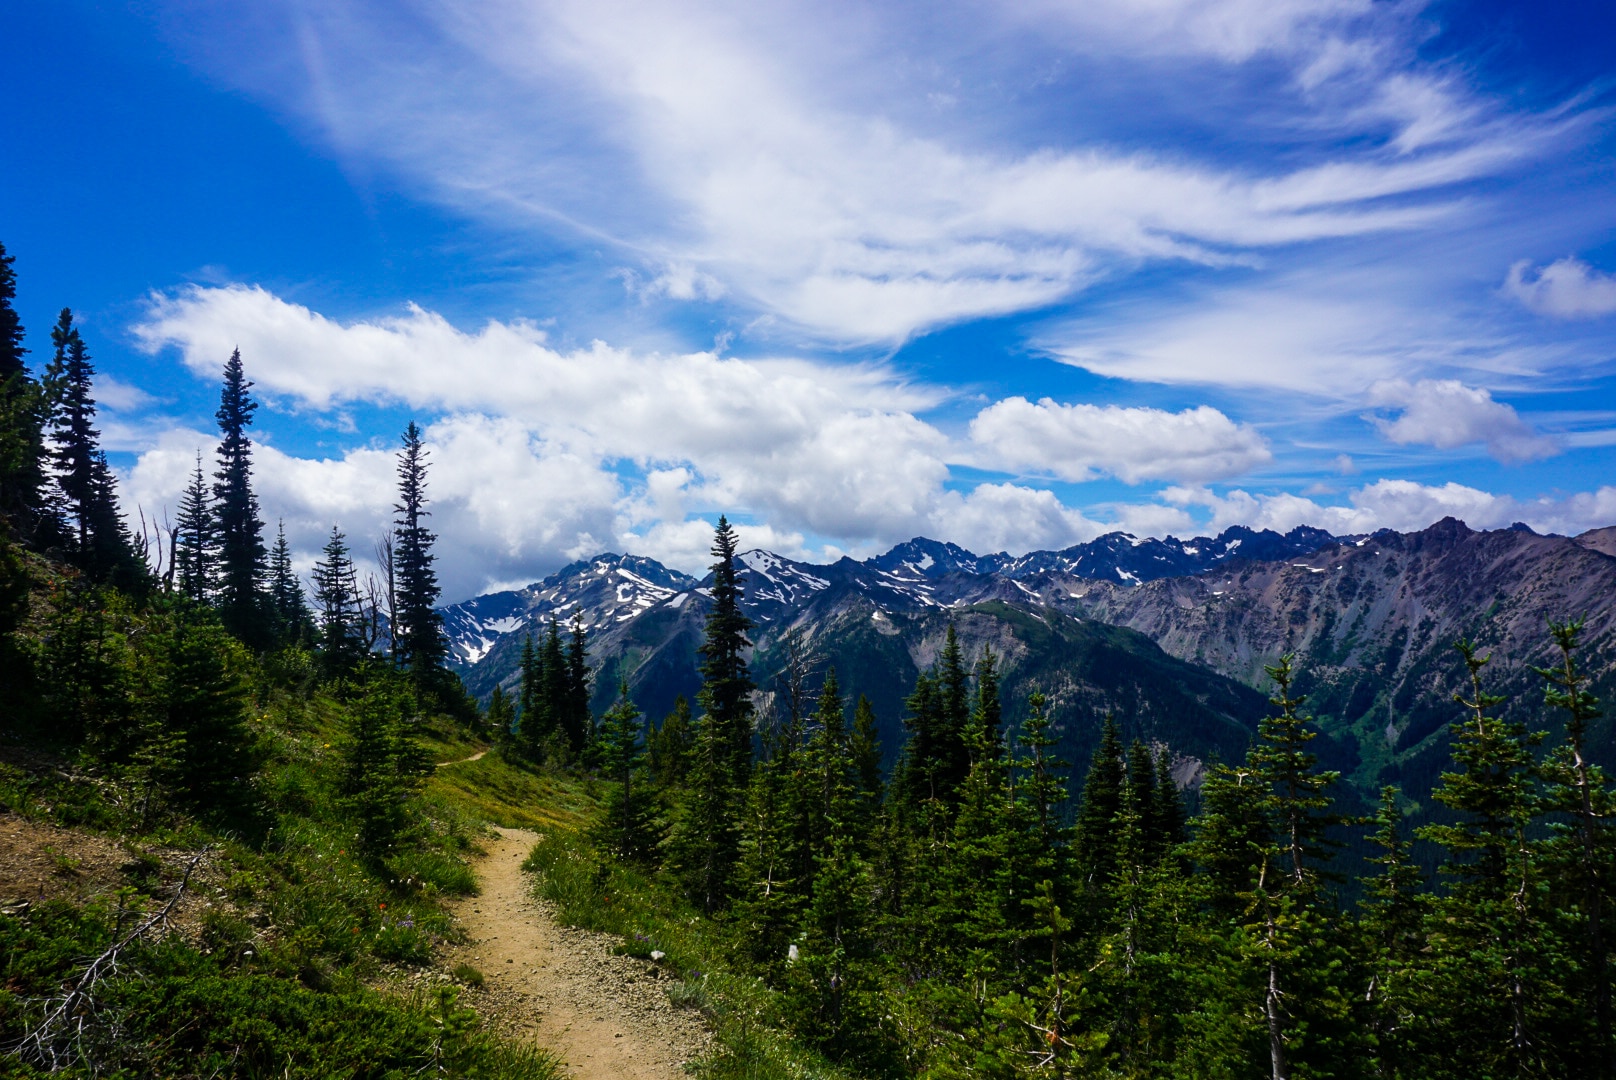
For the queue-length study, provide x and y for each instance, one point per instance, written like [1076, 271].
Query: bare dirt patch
[608, 1017]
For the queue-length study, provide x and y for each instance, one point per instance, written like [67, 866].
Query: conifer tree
[23, 503]
[419, 634]
[628, 829]
[1101, 802]
[500, 717]
[194, 699]
[1392, 914]
[726, 689]
[777, 828]
[703, 846]
[336, 590]
[96, 536]
[1578, 789]
[552, 691]
[671, 746]
[576, 716]
[532, 720]
[865, 749]
[293, 621]
[194, 548]
[382, 765]
[1168, 812]
[954, 715]
[239, 530]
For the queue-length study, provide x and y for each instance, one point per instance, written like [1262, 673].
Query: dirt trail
[461, 761]
[608, 1017]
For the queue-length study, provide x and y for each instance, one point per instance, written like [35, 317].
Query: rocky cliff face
[1372, 624]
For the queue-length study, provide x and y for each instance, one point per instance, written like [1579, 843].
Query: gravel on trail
[607, 1017]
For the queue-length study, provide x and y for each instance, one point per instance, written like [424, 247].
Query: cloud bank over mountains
[541, 455]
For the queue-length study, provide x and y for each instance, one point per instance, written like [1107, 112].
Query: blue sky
[1010, 275]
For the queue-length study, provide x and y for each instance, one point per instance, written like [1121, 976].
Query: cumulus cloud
[1403, 505]
[541, 455]
[503, 507]
[1567, 288]
[1446, 413]
[1082, 442]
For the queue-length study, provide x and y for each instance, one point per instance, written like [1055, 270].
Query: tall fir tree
[1585, 854]
[575, 715]
[336, 591]
[419, 634]
[703, 846]
[671, 745]
[294, 623]
[628, 828]
[1494, 947]
[1100, 805]
[726, 689]
[97, 539]
[23, 502]
[382, 766]
[195, 546]
[533, 720]
[552, 669]
[239, 530]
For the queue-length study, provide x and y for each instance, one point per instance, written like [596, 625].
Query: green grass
[505, 793]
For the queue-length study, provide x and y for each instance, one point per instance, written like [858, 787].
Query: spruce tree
[726, 690]
[194, 695]
[419, 633]
[1586, 853]
[865, 748]
[704, 843]
[23, 505]
[671, 746]
[552, 692]
[532, 721]
[500, 718]
[1391, 919]
[1101, 802]
[336, 590]
[194, 541]
[575, 712]
[628, 829]
[382, 766]
[1493, 948]
[293, 622]
[776, 853]
[239, 530]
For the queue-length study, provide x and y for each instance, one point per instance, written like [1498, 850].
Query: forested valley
[980, 909]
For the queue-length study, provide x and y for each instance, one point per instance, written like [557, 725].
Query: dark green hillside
[1086, 669]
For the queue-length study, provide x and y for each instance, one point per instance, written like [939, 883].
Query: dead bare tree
[371, 599]
[384, 559]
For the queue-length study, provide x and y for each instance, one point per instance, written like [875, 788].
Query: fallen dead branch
[55, 1042]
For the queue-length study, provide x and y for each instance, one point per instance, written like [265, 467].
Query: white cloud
[1567, 288]
[1446, 413]
[1081, 442]
[1403, 505]
[1009, 517]
[527, 457]
[775, 155]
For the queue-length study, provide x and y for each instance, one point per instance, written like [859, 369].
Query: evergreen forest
[981, 909]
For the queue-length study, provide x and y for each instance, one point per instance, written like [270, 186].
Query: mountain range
[1170, 636]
